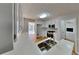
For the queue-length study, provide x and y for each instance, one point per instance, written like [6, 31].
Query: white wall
[6, 43]
[25, 25]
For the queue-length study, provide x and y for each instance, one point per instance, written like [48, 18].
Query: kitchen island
[63, 47]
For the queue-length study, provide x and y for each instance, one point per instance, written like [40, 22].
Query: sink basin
[46, 45]
[50, 42]
[43, 46]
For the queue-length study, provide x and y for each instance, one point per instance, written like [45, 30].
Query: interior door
[6, 42]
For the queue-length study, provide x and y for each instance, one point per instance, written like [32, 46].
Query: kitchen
[48, 30]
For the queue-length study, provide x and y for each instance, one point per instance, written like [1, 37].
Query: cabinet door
[6, 43]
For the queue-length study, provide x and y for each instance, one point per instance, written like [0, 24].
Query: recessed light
[44, 15]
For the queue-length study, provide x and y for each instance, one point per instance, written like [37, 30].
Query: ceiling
[33, 10]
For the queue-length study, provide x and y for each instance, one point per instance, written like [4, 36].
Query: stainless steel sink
[46, 45]
[50, 42]
[43, 46]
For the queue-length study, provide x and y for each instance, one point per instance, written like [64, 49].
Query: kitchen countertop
[63, 47]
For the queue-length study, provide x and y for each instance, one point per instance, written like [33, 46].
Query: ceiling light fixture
[44, 15]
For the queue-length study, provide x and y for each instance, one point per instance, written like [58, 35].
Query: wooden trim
[73, 51]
